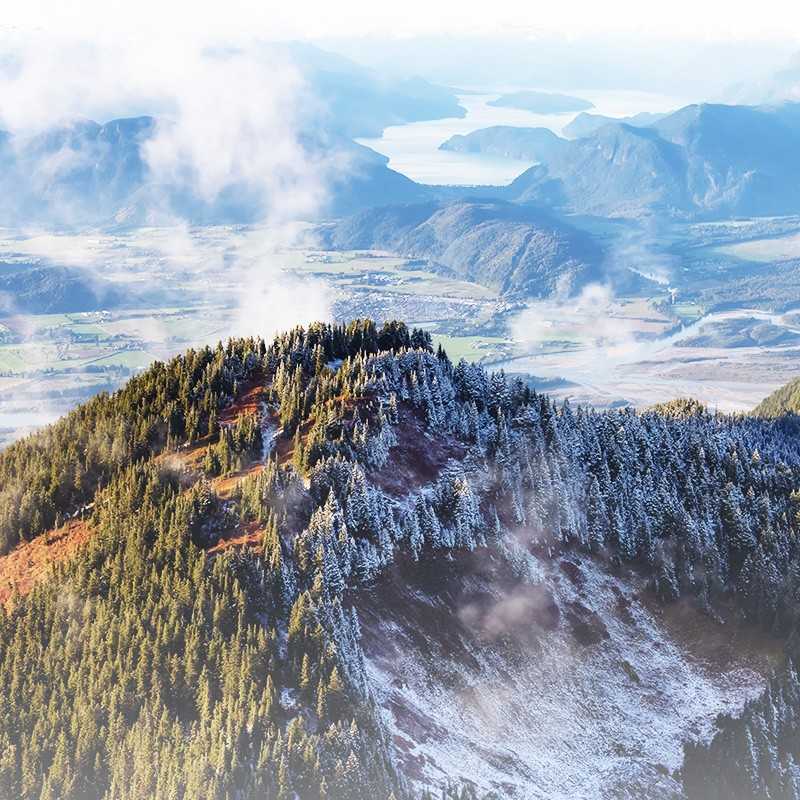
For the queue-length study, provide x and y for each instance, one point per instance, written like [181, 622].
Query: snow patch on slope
[596, 704]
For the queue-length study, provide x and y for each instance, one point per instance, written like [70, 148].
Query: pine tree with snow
[331, 573]
[467, 515]
[665, 580]
[360, 516]
[596, 517]
[428, 523]
[413, 534]
[626, 542]
[365, 561]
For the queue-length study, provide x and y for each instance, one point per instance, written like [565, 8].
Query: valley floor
[193, 286]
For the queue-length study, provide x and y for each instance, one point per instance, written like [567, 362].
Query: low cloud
[640, 250]
[589, 318]
[516, 614]
[232, 120]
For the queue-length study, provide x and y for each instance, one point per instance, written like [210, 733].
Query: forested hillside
[206, 642]
[516, 250]
[785, 400]
[755, 755]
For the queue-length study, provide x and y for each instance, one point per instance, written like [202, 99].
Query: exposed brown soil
[188, 457]
[251, 395]
[417, 458]
[30, 562]
[225, 485]
[248, 535]
[719, 642]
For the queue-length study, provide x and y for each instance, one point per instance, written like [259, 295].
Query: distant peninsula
[541, 102]
[525, 144]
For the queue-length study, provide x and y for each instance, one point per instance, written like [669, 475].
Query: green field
[472, 348]
[687, 312]
[350, 270]
[12, 359]
[133, 359]
[61, 343]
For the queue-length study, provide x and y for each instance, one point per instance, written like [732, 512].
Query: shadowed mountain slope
[701, 161]
[517, 250]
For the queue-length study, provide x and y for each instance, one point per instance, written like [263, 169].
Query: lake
[413, 148]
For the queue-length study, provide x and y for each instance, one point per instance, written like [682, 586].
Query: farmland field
[191, 287]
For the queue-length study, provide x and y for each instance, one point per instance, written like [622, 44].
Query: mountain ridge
[703, 161]
[260, 667]
[518, 250]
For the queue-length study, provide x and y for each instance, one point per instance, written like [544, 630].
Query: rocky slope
[564, 684]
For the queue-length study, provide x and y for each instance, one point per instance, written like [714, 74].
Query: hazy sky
[691, 50]
[704, 19]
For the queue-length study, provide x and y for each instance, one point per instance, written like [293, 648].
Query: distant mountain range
[83, 172]
[517, 250]
[542, 102]
[80, 170]
[86, 173]
[358, 102]
[702, 161]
